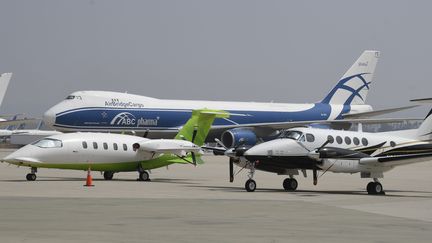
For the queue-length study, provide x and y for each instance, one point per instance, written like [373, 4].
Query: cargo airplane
[159, 118]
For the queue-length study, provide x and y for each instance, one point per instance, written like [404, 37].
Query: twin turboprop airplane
[306, 148]
[112, 153]
[159, 118]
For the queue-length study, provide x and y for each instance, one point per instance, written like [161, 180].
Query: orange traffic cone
[89, 180]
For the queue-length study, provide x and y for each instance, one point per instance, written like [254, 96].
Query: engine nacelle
[236, 136]
[340, 153]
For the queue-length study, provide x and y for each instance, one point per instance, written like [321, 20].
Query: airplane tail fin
[353, 87]
[4, 82]
[198, 126]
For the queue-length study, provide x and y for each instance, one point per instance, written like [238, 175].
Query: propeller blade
[231, 169]
[193, 158]
[194, 134]
[315, 177]
[324, 144]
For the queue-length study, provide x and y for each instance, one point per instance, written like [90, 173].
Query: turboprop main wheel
[108, 175]
[144, 176]
[374, 188]
[31, 177]
[290, 184]
[250, 185]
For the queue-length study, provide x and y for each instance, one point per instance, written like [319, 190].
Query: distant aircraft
[160, 118]
[112, 153]
[4, 83]
[307, 148]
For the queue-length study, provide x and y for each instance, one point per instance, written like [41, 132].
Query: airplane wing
[376, 112]
[18, 121]
[395, 160]
[287, 125]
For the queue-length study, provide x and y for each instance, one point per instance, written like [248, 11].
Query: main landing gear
[290, 184]
[143, 176]
[375, 188]
[32, 175]
[108, 175]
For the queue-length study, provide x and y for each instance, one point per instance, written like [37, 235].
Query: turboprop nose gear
[250, 184]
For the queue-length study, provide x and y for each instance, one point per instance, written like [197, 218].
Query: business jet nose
[49, 117]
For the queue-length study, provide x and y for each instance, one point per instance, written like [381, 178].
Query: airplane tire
[144, 176]
[250, 185]
[108, 175]
[31, 177]
[290, 184]
[375, 188]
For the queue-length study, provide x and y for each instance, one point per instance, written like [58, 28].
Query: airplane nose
[49, 118]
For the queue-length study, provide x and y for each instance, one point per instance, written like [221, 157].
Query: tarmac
[198, 204]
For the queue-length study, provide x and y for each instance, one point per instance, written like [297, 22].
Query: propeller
[317, 156]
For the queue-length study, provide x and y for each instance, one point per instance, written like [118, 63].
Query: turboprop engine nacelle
[173, 146]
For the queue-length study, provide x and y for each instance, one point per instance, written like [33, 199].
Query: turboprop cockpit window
[48, 143]
[292, 135]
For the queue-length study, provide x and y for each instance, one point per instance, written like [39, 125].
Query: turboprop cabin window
[356, 141]
[364, 141]
[310, 138]
[347, 140]
[48, 143]
[339, 140]
[330, 139]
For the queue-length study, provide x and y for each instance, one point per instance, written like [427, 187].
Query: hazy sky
[285, 51]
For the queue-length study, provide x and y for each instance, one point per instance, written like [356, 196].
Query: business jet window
[291, 135]
[356, 141]
[48, 143]
[84, 144]
[310, 138]
[95, 145]
[330, 139]
[339, 140]
[364, 142]
[348, 140]
[105, 146]
[124, 147]
[115, 146]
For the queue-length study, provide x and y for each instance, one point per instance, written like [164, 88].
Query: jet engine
[234, 137]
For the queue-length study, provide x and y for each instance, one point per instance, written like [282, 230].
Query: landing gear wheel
[375, 188]
[144, 176]
[108, 175]
[290, 184]
[31, 177]
[250, 185]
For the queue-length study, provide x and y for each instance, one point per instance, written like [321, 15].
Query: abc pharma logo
[124, 119]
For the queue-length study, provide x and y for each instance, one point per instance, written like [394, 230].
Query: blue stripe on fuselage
[147, 118]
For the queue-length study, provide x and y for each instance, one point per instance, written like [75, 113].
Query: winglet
[201, 121]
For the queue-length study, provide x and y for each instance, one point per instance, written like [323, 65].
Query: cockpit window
[48, 143]
[291, 135]
[71, 97]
